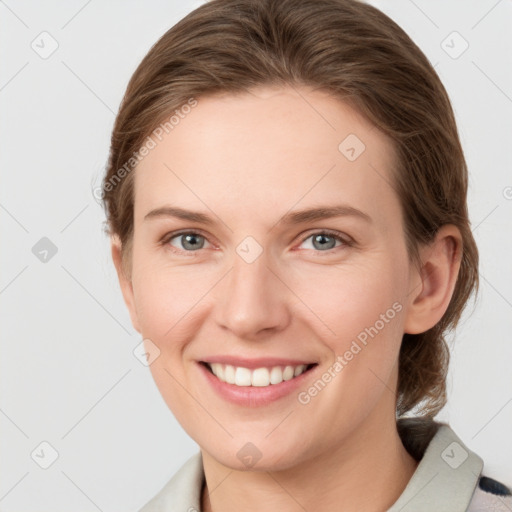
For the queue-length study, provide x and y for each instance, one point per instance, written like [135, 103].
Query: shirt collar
[445, 479]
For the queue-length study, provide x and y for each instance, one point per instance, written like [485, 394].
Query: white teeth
[288, 373]
[260, 377]
[299, 369]
[218, 369]
[242, 376]
[276, 375]
[229, 374]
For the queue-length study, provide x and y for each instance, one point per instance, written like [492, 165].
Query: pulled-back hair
[356, 53]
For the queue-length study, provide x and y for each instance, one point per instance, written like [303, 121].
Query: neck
[366, 473]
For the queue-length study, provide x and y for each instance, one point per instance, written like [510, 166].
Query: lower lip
[254, 396]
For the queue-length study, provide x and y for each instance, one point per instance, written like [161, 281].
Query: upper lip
[258, 362]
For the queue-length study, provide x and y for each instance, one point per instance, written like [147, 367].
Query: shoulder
[490, 495]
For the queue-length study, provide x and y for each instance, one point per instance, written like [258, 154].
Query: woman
[286, 197]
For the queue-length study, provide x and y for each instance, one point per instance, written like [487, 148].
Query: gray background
[68, 375]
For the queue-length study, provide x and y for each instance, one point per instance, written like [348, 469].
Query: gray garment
[446, 480]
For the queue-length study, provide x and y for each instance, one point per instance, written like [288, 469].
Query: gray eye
[190, 241]
[322, 241]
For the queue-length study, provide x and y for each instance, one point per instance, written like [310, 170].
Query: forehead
[267, 150]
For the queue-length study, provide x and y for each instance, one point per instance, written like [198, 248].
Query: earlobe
[438, 276]
[124, 281]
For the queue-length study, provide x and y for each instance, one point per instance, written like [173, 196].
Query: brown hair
[355, 52]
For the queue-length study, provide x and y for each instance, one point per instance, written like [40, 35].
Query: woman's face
[258, 285]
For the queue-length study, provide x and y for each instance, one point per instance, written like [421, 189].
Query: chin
[262, 456]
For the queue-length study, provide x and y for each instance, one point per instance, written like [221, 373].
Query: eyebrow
[295, 217]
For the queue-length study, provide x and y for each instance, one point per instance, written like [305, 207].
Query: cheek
[166, 302]
[346, 300]
[361, 321]
[163, 295]
[170, 305]
[155, 307]
[361, 314]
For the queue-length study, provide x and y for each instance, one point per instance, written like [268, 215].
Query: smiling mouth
[258, 377]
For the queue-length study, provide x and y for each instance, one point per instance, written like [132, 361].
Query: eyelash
[334, 234]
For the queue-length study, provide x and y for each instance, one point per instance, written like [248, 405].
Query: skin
[246, 160]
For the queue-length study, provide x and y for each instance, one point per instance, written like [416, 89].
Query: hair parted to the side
[356, 53]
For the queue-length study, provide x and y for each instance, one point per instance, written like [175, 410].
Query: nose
[253, 299]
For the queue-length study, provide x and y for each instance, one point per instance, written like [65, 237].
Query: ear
[431, 287]
[124, 281]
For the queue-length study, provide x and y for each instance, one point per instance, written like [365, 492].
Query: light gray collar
[444, 480]
[182, 493]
